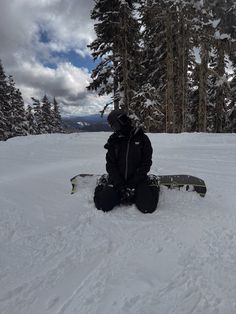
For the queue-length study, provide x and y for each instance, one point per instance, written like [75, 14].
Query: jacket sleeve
[112, 169]
[145, 166]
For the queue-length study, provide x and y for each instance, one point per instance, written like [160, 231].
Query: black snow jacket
[129, 158]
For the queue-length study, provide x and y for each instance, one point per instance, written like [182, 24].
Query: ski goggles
[123, 119]
[119, 122]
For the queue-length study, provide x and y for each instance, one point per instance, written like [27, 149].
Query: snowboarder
[128, 160]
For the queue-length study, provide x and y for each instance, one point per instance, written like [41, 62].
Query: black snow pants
[146, 197]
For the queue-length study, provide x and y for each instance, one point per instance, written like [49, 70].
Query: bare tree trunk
[185, 59]
[220, 100]
[170, 122]
[203, 75]
[124, 59]
[116, 96]
[181, 73]
[115, 86]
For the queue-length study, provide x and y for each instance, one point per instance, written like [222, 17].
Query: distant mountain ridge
[89, 123]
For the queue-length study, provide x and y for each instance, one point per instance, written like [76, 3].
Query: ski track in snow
[59, 255]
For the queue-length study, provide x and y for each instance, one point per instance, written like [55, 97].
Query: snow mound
[60, 255]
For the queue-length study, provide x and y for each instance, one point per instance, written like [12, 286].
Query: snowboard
[177, 181]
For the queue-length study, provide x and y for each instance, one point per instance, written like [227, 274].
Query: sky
[43, 45]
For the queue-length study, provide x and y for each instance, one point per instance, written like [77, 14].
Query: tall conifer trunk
[170, 122]
[181, 73]
[124, 58]
[203, 75]
[220, 99]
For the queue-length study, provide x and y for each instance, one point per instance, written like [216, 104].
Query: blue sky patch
[43, 36]
[69, 56]
[50, 65]
[75, 59]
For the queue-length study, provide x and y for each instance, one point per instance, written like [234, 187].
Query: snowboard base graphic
[177, 181]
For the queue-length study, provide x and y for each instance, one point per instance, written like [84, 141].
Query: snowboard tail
[190, 183]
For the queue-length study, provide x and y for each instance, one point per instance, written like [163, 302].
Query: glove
[127, 195]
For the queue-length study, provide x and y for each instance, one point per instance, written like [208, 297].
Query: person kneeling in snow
[128, 160]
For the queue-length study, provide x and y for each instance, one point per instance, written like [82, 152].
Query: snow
[58, 254]
[149, 103]
[197, 55]
[83, 124]
[218, 35]
[215, 22]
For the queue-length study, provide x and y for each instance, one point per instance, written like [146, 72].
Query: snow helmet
[118, 120]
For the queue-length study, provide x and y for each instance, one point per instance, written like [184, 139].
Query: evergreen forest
[16, 119]
[170, 64]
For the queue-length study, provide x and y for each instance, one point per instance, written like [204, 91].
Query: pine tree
[20, 125]
[146, 109]
[38, 116]
[18, 114]
[184, 60]
[170, 88]
[116, 47]
[221, 88]
[5, 112]
[2, 124]
[167, 56]
[192, 109]
[47, 117]
[128, 50]
[104, 48]
[224, 37]
[212, 92]
[57, 121]
[231, 108]
[228, 22]
[202, 41]
[153, 67]
[11, 89]
[32, 126]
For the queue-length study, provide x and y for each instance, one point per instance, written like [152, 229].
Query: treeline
[170, 64]
[16, 120]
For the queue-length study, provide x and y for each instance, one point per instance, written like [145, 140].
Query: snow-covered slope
[58, 254]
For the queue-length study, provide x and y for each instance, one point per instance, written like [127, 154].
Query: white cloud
[67, 82]
[67, 26]
[67, 22]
